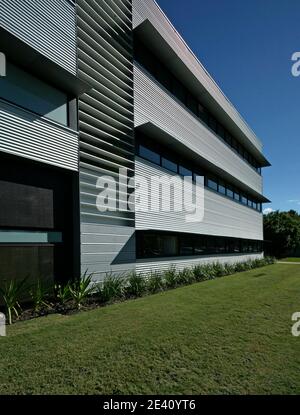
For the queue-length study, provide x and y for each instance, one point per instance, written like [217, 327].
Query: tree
[282, 233]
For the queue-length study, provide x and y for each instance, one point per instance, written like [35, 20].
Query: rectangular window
[192, 104]
[222, 188]
[250, 203]
[228, 138]
[237, 196]
[229, 192]
[183, 171]
[244, 199]
[29, 92]
[203, 113]
[221, 131]
[163, 76]
[149, 154]
[200, 245]
[170, 165]
[212, 183]
[186, 245]
[213, 123]
[178, 90]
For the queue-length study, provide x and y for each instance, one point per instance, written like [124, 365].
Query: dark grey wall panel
[47, 26]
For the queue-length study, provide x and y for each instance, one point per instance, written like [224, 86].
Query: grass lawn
[231, 335]
[290, 259]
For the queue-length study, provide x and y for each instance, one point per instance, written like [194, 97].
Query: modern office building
[92, 87]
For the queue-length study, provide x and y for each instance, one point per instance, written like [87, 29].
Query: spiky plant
[10, 293]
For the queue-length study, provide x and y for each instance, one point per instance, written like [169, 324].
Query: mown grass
[227, 336]
[290, 259]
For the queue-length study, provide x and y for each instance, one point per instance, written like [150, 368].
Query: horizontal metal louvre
[222, 217]
[144, 267]
[153, 103]
[106, 130]
[26, 135]
[149, 9]
[47, 26]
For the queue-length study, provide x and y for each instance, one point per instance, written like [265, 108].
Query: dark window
[222, 188]
[212, 183]
[203, 113]
[163, 75]
[228, 138]
[250, 203]
[237, 196]
[192, 104]
[244, 199]
[168, 164]
[149, 154]
[200, 245]
[229, 192]
[221, 131]
[183, 171]
[151, 245]
[213, 123]
[178, 90]
[186, 245]
[33, 94]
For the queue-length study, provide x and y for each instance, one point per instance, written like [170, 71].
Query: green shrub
[111, 288]
[218, 270]
[185, 276]
[229, 269]
[170, 277]
[11, 292]
[136, 285]
[81, 289]
[39, 294]
[62, 293]
[155, 282]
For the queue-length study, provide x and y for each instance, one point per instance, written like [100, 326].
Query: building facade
[108, 88]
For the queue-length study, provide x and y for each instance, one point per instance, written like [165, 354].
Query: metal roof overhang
[21, 54]
[155, 42]
[154, 132]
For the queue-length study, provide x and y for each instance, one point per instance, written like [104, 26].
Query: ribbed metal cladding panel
[144, 267]
[149, 9]
[153, 103]
[222, 216]
[47, 26]
[27, 135]
[106, 125]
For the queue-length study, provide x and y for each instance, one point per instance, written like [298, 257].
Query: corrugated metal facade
[27, 135]
[222, 217]
[106, 129]
[154, 104]
[148, 9]
[150, 265]
[47, 26]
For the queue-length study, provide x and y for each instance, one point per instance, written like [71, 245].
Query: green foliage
[155, 282]
[170, 277]
[111, 288]
[11, 292]
[218, 270]
[228, 269]
[283, 230]
[39, 294]
[62, 293]
[135, 285]
[185, 276]
[81, 289]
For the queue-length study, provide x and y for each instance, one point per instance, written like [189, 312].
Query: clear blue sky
[246, 45]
